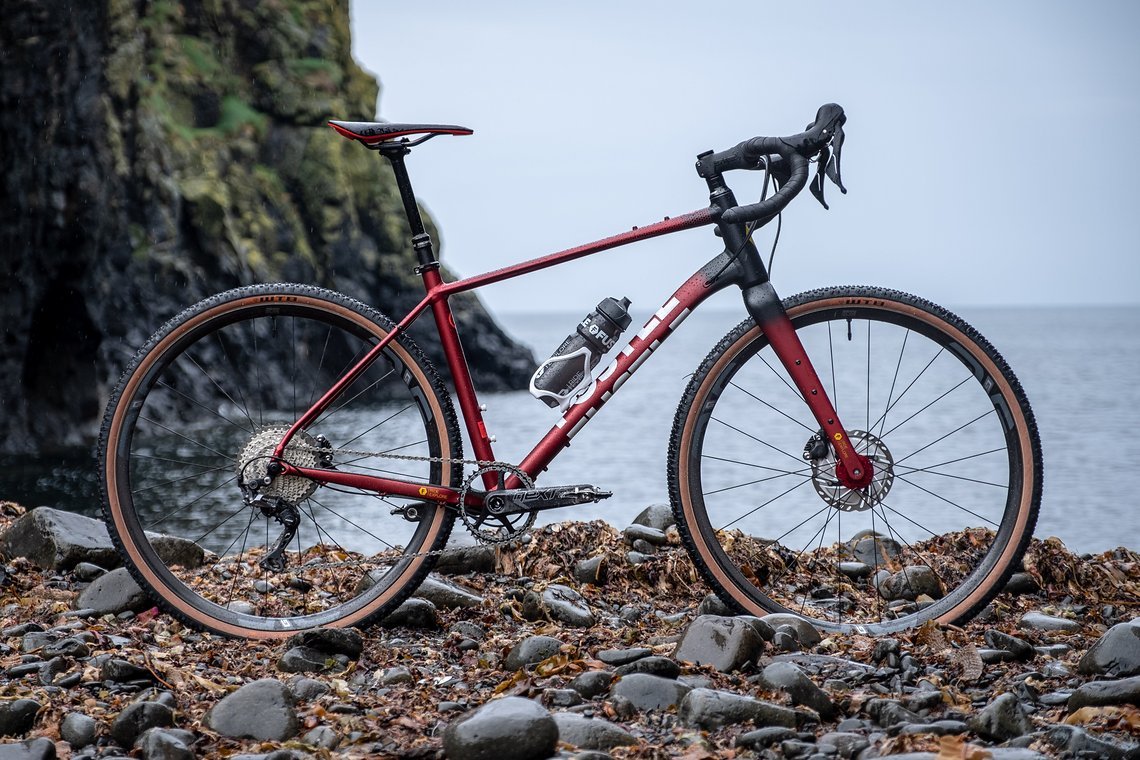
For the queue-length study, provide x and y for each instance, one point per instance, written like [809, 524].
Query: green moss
[200, 54]
[237, 114]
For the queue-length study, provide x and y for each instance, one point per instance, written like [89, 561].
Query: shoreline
[496, 647]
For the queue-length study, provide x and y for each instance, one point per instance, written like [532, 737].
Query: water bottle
[570, 370]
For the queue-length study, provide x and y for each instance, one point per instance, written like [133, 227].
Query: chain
[482, 465]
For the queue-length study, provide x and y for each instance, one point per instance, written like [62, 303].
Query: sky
[990, 155]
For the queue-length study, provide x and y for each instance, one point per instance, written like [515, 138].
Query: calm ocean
[1078, 366]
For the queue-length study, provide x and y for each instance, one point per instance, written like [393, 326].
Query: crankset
[516, 500]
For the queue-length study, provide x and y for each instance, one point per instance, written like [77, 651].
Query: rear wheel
[948, 430]
[197, 414]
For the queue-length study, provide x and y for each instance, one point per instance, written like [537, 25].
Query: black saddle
[376, 132]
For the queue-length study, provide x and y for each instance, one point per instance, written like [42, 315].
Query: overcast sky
[990, 160]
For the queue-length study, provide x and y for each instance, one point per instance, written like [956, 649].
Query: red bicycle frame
[739, 264]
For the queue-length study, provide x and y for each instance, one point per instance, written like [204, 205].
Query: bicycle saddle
[375, 132]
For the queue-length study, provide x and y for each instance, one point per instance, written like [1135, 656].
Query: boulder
[910, 583]
[1001, 720]
[113, 593]
[787, 677]
[447, 595]
[531, 650]
[646, 692]
[259, 710]
[413, 613]
[18, 716]
[709, 710]
[57, 540]
[806, 633]
[346, 641]
[133, 721]
[659, 516]
[1116, 653]
[78, 730]
[1039, 621]
[725, 643]
[466, 559]
[560, 603]
[1126, 691]
[590, 733]
[511, 728]
[31, 749]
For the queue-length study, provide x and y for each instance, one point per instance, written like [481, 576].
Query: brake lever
[833, 172]
[816, 186]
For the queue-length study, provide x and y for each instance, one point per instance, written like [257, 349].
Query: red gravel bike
[279, 457]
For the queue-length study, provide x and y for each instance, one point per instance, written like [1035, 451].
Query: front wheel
[945, 424]
[193, 423]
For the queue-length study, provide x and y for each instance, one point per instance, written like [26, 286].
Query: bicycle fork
[852, 469]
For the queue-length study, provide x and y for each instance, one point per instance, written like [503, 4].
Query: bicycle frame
[739, 264]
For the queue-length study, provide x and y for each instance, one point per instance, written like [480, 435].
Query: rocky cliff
[157, 152]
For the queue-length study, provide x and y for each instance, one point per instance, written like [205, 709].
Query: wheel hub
[831, 481]
[254, 458]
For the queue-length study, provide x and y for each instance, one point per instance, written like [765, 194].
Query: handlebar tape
[795, 150]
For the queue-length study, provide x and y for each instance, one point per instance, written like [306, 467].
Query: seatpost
[421, 240]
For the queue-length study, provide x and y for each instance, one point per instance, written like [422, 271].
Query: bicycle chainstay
[480, 464]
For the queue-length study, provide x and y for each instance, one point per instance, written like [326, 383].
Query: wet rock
[396, 675]
[709, 710]
[1039, 621]
[511, 728]
[622, 656]
[177, 551]
[637, 558]
[874, 550]
[309, 660]
[18, 716]
[806, 633]
[259, 710]
[765, 629]
[725, 643]
[113, 593]
[446, 595]
[346, 641]
[659, 516]
[646, 692]
[1019, 648]
[847, 745]
[466, 559]
[31, 749]
[765, 737]
[323, 737]
[1021, 583]
[67, 647]
[413, 613]
[1116, 653]
[57, 540]
[592, 683]
[121, 671]
[937, 728]
[77, 729]
[34, 641]
[157, 744]
[910, 583]
[592, 570]
[560, 603]
[787, 677]
[1080, 743]
[655, 666]
[1126, 691]
[591, 733]
[305, 689]
[531, 650]
[86, 571]
[712, 605]
[649, 535]
[561, 698]
[1001, 720]
[855, 570]
[137, 718]
[889, 712]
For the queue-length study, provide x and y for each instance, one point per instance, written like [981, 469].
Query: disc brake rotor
[845, 499]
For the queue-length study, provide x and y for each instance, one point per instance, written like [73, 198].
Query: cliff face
[157, 152]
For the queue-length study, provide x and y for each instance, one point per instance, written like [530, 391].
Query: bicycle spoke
[940, 497]
[956, 430]
[774, 409]
[387, 419]
[752, 511]
[754, 438]
[199, 404]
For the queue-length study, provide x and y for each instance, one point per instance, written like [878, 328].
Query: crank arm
[516, 500]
